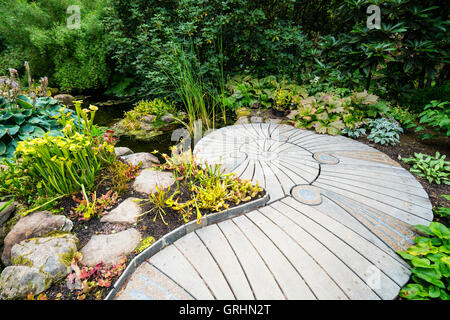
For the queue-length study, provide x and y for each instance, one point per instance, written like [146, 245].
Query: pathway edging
[181, 231]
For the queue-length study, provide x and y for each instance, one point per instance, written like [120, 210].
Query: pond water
[111, 111]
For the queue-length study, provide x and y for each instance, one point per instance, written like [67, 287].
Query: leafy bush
[403, 116]
[325, 113]
[430, 262]
[435, 116]
[384, 131]
[25, 120]
[354, 133]
[417, 99]
[434, 169]
[23, 115]
[59, 164]
[255, 38]
[71, 58]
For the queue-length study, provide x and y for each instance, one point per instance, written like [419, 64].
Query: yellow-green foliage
[156, 107]
[145, 243]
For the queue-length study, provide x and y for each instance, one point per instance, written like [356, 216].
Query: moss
[243, 112]
[145, 243]
[21, 261]
[66, 258]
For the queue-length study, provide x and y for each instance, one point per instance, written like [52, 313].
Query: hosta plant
[385, 131]
[430, 262]
[434, 169]
[23, 114]
[25, 119]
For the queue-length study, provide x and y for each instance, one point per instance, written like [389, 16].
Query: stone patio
[338, 211]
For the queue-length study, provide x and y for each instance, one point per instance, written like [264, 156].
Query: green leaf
[434, 292]
[440, 230]
[423, 229]
[24, 101]
[12, 129]
[19, 118]
[413, 291]
[430, 275]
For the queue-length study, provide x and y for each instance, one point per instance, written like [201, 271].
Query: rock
[242, 120]
[18, 281]
[243, 112]
[50, 255]
[110, 249]
[274, 121]
[146, 158]
[149, 118]
[148, 179]
[122, 151]
[6, 213]
[256, 119]
[33, 225]
[66, 99]
[126, 213]
[292, 114]
[168, 118]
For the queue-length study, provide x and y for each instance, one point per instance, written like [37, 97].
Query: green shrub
[36, 31]
[436, 117]
[430, 262]
[385, 131]
[434, 169]
[325, 114]
[255, 38]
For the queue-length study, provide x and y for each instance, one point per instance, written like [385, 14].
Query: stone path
[337, 212]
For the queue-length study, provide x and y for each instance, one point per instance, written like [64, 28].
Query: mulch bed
[409, 144]
[84, 230]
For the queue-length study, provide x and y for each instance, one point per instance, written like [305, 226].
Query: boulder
[126, 213]
[168, 118]
[6, 212]
[273, 121]
[148, 179]
[111, 248]
[122, 151]
[149, 118]
[50, 255]
[17, 282]
[66, 99]
[33, 225]
[242, 120]
[256, 119]
[147, 159]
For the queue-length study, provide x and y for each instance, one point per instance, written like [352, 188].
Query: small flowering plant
[64, 164]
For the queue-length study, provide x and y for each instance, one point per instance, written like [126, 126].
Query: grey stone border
[179, 232]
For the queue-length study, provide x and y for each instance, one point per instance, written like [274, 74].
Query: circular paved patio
[338, 211]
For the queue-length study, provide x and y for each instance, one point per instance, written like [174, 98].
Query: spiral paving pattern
[338, 211]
